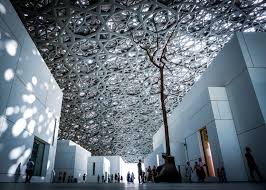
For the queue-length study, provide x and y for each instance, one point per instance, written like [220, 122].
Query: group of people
[198, 168]
[221, 174]
[151, 173]
[148, 175]
[113, 178]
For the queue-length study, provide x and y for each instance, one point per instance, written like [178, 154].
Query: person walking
[154, 173]
[29, 170]
[253, 168]
[139, 171]
[189, 171]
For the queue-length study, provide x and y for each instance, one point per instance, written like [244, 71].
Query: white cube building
[98, 165]
[30, 104]
[70, 162]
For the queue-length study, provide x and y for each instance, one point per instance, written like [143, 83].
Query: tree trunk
[165, 122]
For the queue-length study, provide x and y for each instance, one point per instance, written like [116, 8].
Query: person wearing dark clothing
[202, 171]
[139, 171]
[197, 169]
[253, 168]
[128, 177]
[154, 173]
[118, 178]
[112, 178]
[84, 177]
[98, 178]
[102, 178]
[115, 177]
[29, 170]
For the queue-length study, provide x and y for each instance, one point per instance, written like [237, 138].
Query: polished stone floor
[150, 186]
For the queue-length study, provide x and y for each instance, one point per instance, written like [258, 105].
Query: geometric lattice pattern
[111, 101]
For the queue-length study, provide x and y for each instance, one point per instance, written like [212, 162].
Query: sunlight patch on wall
[9, 74]
[11, 47]
[2, 9]
[19, 126]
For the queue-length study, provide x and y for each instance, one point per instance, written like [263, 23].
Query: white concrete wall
[117, 165]
[227, 137]
[30, 99]
[250, 122]
[240, 68]
[102, 165]
[72, 159]
[154, 158]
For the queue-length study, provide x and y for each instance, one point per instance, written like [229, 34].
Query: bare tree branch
[167, 42]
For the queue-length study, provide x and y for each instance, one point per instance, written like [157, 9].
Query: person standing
[102, 178]
[84, 178]
[98, 178]
[253, 168]
[128, 177]
[149, 173]
[154, 173]
[118, 178]
[139, 171]
[29, 170]
[132, 177]
[112, 178]
[197, 169]
[202, 171]
[189, 171]
[115, 177]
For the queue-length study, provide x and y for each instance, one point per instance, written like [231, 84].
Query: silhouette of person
[253, 168]
[84, 177]
[118, 178]
[189, 171]
[128, 176]
[202, 171]
[197, 169]
[112, 178]
[29, 170]
[132, 177]
[139, 171]
[115, 177]
[102, 178]
[154, 172]
[64, 177]
[98, 178]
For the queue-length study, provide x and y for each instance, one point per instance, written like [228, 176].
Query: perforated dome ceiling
[111, 102]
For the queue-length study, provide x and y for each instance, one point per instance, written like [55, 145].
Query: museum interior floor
[150, 186]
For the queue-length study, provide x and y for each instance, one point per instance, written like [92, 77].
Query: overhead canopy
[111, 102]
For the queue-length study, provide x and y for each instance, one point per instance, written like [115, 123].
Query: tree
[157, 54]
